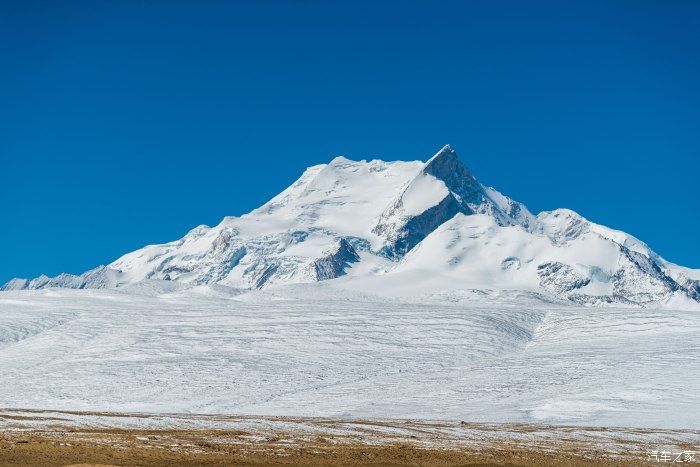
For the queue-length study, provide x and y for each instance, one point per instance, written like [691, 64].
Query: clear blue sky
[128, 123]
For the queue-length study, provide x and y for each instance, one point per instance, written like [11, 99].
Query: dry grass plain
[52, 438]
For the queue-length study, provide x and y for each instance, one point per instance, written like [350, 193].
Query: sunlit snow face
[423, 226]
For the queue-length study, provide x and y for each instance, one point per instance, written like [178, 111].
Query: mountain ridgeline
[411, 227]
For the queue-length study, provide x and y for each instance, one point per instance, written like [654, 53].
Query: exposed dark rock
[640, 280]
[265, 275]
[560, 278]
[458, 179]
[420, 226]
[333, 265]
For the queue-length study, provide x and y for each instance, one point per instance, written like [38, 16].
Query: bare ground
[53, 438]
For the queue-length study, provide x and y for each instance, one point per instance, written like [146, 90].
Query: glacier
[404, 228]
[318, 349]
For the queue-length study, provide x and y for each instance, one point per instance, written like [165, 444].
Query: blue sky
[128, 123]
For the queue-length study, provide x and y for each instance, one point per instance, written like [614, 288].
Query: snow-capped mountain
[411, 227]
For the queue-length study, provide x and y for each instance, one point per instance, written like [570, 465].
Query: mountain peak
[446, 166]
[445, 153]
[340, 160]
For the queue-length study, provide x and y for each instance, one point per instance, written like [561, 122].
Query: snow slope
[317, 349]
[404, 227]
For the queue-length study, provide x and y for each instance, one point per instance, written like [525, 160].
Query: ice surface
[317, 350]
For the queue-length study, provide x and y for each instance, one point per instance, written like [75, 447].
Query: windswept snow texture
[315, 350]
[404, 226]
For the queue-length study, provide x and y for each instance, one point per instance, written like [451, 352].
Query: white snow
[345, 197]
[315, 349]
[422, 193]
